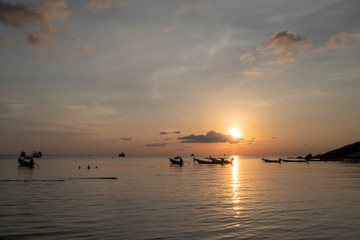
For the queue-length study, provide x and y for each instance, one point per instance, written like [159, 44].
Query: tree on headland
[351, 151]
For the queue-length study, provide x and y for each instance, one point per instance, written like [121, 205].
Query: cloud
[279, 49]
[24, 16]
[115, 140]
[186, 7]
[282, 44]
[98, 5]
[253, 72]
[166, 30]
[166, 133]
[340, 40]
[284, 41]
[247, 57]
[6, 41]
[156, 145]
[210, 137]
[220, 45]
[126, 138]
[68, 50]
[74, 107]
[285, 45]
[5, 107]
[81, 51]
[124, 4]
[283, 58]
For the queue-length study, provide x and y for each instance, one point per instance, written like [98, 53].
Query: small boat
[176, 160]
[121, 155]
[26, 162]
[271, 160]
[221, 161]
[212, 161]
[37, 154]
[294, 160]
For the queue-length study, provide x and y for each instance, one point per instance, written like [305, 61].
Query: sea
[145, 197]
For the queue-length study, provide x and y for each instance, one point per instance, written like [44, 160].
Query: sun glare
[235, 133]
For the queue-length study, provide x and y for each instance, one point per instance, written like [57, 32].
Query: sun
[235, 133]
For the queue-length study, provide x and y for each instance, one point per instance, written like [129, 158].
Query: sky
[164, 77]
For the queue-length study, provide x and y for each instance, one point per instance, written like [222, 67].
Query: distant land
[351, 151]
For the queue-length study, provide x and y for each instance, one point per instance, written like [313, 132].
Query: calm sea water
[147, 198]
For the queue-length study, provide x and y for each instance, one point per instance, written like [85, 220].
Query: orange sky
[144, 78]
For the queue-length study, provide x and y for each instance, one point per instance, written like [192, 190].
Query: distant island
[351, 151]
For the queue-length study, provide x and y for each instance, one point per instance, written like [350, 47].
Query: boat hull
[271, 160]
[37, 154]
[174, 161]
[206, 161]
[26, 163]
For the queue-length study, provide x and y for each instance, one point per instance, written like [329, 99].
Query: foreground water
[146, 198]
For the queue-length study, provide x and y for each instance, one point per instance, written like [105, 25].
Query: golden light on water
[235, 180]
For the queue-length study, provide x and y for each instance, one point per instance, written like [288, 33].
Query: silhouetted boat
[121, 155]
[176, 160]
[200, 161]
[26, 161]
[271, 160]
[37, 154]
[211, 161]
[220, 160]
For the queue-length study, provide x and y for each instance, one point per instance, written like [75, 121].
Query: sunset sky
[162, 77]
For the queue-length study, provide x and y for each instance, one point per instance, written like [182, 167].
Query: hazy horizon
[172, 78]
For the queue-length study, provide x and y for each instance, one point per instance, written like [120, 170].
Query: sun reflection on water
[236, 182]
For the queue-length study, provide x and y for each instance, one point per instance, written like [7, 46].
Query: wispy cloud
[74, 107]
[68, 50]
[167, 133]
[6, 41]
[24, 16]
[156, 145]
[124, 4]
[253, 72]
[5, 107]
[284, 46]
[126, 138]
[80, 51]
[281, 46]
[98, 5]
[186, 7]
[340, 40]
[219, 45]
[247, 57]
[115, 140]
[210, 137]
[279, 49]
[166, 30]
